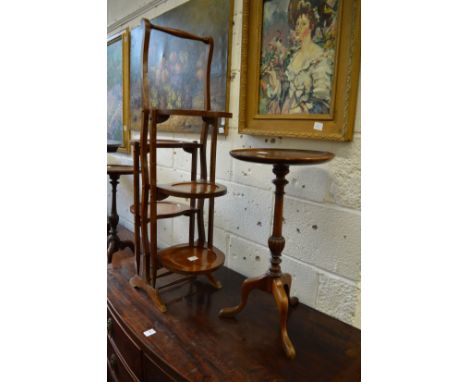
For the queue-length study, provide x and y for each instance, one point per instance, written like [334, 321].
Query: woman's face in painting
[303, 27]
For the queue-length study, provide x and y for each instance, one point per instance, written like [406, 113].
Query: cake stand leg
[213, 281]
[137, 282]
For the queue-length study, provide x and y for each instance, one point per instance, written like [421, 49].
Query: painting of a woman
[298, 53]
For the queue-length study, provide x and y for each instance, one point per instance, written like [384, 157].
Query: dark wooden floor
[201, 346]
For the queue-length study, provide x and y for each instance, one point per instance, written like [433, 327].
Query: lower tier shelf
[184, 258]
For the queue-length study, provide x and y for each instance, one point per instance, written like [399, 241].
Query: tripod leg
[247, 286]
[281, 299]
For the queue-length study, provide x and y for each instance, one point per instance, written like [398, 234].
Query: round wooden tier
[172, 143]
[282, 156]
[168, 209]
[119, 169]
[186, 258]
[193, 189]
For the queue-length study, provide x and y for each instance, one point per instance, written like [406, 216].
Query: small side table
[274, 281]
[114, 243]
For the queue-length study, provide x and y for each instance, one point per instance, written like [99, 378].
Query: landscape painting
[115, 92]
[118, 90]
[176, 67]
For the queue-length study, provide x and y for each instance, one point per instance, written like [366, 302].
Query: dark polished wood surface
[282, 156]
[192, 343]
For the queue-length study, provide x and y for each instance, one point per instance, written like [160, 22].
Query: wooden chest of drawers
[192, 344]
[126, 360]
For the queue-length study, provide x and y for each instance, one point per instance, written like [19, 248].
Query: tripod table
[114, 243]
[274, 281]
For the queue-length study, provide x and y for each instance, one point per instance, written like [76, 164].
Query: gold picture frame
[118, 89]
[337, 123]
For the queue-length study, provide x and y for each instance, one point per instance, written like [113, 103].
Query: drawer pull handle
[109, 325]
[113, 361]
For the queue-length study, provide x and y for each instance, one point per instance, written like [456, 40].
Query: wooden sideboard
[192, 343]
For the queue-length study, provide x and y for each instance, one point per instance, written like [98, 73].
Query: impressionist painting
[115, 92]
[298, 52]
[176, 66]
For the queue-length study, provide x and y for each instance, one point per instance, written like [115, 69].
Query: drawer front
[152, 372]
[127, 348]
[119, 371]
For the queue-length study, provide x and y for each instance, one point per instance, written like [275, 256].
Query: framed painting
[174, 83]
[118, 90]
[300, 68]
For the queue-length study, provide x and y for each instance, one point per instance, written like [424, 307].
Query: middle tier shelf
[168, 209]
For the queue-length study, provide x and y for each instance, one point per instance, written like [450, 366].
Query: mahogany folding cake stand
[195, 256]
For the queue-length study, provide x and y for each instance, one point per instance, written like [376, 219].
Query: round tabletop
[119, 169]
[113, 146]
[282, 156]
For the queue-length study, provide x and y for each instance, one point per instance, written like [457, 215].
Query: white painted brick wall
[324, 236]
[321, 208]
[338, 298]
[245, 212]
